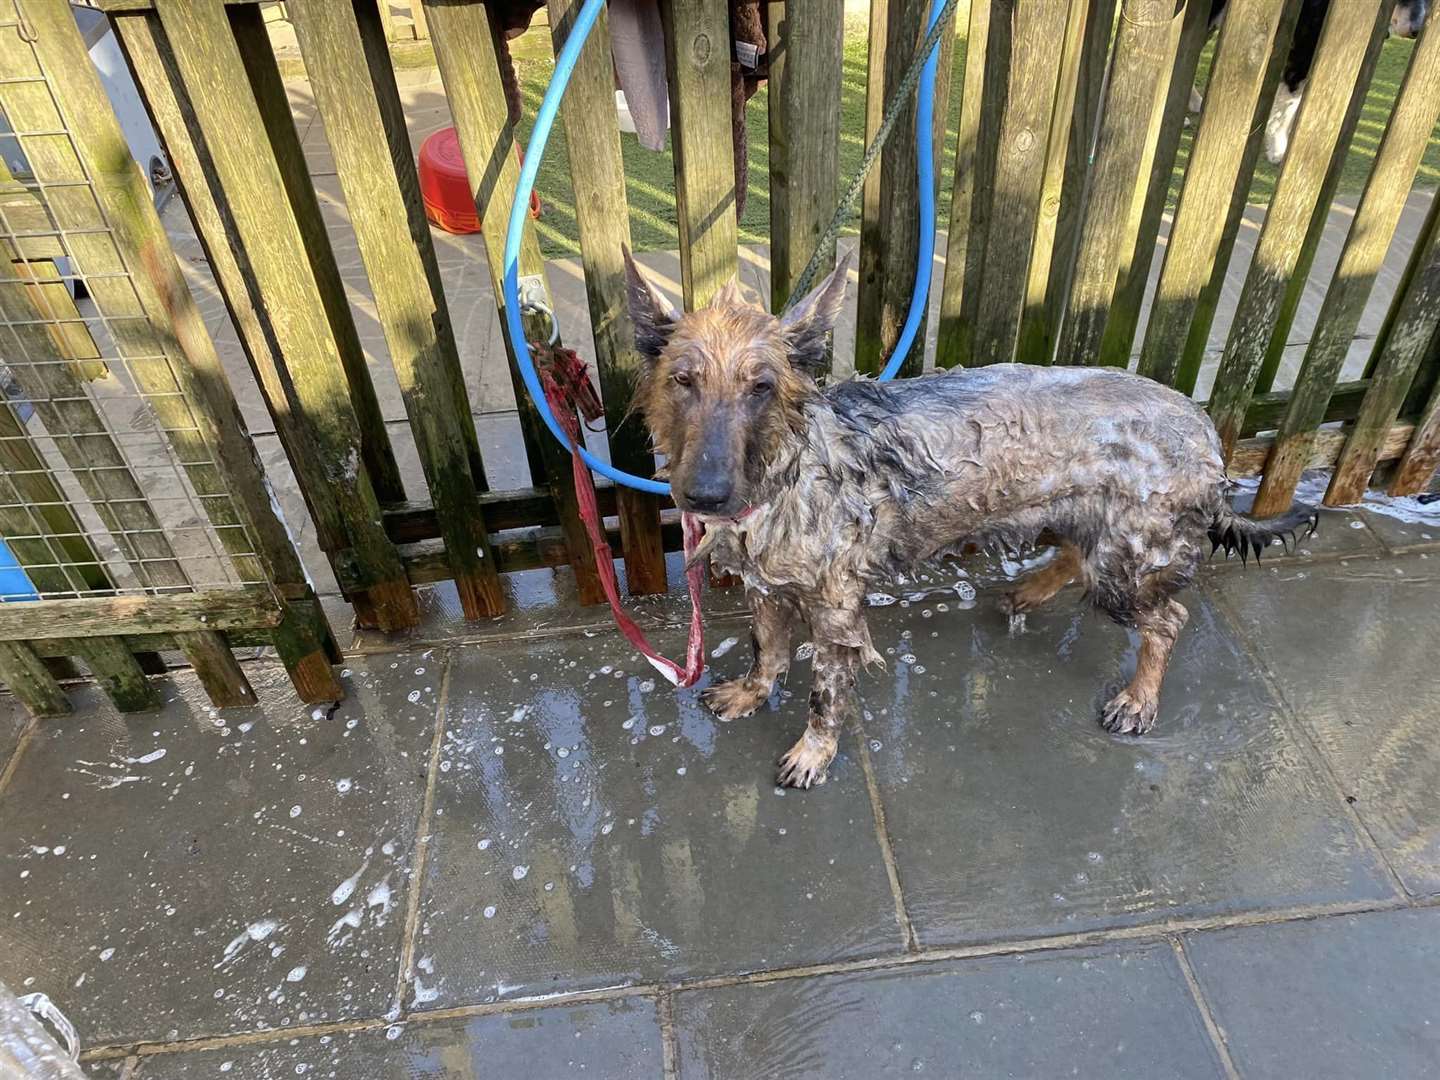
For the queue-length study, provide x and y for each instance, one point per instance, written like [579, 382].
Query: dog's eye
[682, 378]
[762, 387]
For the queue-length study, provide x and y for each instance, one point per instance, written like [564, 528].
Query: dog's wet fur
[815, 496]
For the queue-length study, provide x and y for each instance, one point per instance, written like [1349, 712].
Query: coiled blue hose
[545, 120]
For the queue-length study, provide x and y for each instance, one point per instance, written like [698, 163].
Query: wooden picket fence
[1070, 119]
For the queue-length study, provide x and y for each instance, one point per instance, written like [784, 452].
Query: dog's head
[725, 387]
[1408, 18]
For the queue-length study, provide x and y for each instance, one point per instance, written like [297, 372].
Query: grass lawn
[650, 175]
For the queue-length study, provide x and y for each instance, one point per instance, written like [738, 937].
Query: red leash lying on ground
[568, 388]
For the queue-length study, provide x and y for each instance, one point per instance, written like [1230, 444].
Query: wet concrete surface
[1014, 814]
[660, 846]
[613, 1040]
[439, 878]
[180, 873]
[1342, 997]
[1377, 721]
[1107, 1012]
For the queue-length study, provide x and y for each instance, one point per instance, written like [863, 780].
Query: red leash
[568, 388]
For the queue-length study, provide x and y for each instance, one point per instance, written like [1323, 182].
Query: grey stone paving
[488, 861]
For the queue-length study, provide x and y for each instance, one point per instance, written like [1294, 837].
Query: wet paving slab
[1104, 1013]
[182, 873]
[1352, 646]
[1013, 814]
[594, 827]
[609, 1040]
[1337, 997]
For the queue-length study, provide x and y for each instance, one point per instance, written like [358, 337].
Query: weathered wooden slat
[57, 390]
[1251, 455]
[1020, 172]
[805, 39]
[142, 39]
[1320, 215]
[465, 49]
[1033, 343]
[1409, 328]
[697, 46]
[1198, 339]
[1241, 59]
[30, 681]
[117, 673]
[258, 57]
[23, 213]
[261, 213]
[889, 227]
[210, 609]
[1416, 110]
[955, 340]
[536, 550]
[422, 24]
[1075, 188]
[1422, 453]
[871, 252]
[1139, 76]
[349, 80]
[1337, 62]
[1134, 273]
[217, 669]
[602, 218]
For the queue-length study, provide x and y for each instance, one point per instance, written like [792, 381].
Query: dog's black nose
[708, 498]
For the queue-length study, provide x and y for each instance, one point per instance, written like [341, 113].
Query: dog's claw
[804, 764]
[1127, 714]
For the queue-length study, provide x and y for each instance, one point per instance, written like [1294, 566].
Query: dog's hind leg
[770, 636]
[1039, 586]
[1132, 711]
[833, 702]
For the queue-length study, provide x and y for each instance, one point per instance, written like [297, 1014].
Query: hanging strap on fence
[567, 388]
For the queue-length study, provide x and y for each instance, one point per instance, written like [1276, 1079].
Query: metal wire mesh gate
[133, 512]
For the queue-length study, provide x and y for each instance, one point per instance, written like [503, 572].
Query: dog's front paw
[804, 764]
[1129, 714]
[736, 698]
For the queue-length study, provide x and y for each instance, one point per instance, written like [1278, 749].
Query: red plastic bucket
[445, 187]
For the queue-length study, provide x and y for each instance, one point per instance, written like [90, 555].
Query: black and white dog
[1405, 21]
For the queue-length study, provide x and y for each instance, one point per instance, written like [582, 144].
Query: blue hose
[545, 120]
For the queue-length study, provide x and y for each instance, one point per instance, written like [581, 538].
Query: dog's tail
[1237, 533]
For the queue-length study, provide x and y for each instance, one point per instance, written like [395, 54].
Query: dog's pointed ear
[808, 324]
[730, 295]
[653, 317]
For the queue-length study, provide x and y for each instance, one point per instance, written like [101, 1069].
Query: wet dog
[816, 496]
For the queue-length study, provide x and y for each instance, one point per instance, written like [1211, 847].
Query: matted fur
[815, 497]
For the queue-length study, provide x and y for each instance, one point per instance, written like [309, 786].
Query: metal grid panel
[100, 452]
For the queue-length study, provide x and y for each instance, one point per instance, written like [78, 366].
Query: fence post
[350, 72]
[209, 63]
[1409, 328]
[29, 680]
[1406, 136]
[1139, 75]
[469, 67]
[1422, 455]
[602, 217]
[954, 342]
[1241, 59]
[1277, 253]
[1134, 276]
[1198, 338]
[1021, 168]
[1320, 214]
[1033, 343]
[806, 67]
